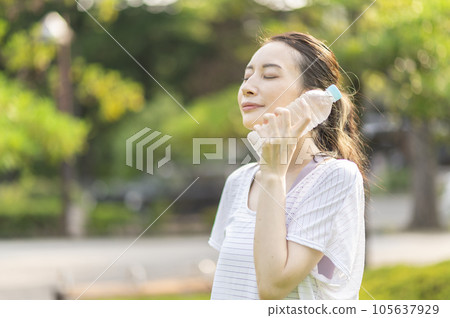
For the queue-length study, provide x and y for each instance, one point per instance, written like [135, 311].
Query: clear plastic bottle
[317, 102]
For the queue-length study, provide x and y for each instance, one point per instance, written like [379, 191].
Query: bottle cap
[334, 91]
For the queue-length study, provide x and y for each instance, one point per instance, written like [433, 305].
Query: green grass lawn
[399, 282]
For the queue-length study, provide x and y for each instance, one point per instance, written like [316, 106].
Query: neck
[303, 154]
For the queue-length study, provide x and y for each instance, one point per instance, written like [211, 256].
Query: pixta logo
[148, 144]
[145, 140]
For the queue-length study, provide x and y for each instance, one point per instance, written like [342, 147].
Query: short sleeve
[222, 215]
[310, 221]
[224, 210]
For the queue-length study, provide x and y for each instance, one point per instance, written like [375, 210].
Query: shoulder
[241, 173]
[340, 171]
[344, 166]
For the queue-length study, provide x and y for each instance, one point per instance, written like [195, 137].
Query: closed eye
[265, 77]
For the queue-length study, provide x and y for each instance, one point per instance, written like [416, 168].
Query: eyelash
[266, 77]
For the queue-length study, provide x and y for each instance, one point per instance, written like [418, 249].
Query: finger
[296, 110]
[265, 118]
[303, 121]
[284, 120]
[260, 130]
[270, 118]
[272, 124]
[257, 128]
[277, 111]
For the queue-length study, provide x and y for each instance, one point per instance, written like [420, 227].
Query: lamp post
[56, 29]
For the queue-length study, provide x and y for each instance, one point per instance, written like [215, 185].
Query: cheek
[283, 97]
[240, 96]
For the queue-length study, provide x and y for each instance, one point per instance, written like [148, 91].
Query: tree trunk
[424, 166]
[72, 217]
[66, 197]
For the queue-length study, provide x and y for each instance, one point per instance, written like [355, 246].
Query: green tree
[46, 67]
[32, 128]
[197, 50]
[404, 47]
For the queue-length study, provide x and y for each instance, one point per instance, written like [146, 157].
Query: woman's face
[271, 80]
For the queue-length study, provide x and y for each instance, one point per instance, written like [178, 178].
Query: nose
[248, 89]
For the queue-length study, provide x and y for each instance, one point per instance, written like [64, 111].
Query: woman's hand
[279, 139]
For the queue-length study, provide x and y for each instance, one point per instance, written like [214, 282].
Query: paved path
[393, 212]
[408, 248]
[34, 269]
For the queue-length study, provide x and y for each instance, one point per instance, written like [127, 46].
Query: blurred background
[78, 78]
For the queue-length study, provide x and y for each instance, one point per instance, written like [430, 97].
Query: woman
[308, 242]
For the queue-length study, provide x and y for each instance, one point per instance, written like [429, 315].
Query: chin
[248, 123]
[247, 120]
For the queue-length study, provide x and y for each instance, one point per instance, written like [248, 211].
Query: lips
[250, 106]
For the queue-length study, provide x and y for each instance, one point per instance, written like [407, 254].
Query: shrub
[112, 219]
[404, 282]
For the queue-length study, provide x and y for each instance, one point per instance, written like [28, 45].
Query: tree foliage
[395, 53]
[405, 60]
[32, 128]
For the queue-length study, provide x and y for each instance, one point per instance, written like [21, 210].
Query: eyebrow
[250, 67]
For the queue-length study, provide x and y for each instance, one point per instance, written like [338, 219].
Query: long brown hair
[339, 135]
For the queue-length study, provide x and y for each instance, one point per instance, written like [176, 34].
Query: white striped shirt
[325, 211]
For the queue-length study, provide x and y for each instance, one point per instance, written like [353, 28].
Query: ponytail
[339, 135]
